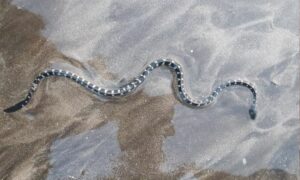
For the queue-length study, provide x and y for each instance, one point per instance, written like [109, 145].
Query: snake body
[136, 82]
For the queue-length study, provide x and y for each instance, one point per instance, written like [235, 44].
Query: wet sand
[61, 109]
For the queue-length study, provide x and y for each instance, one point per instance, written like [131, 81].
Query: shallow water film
[66, 132]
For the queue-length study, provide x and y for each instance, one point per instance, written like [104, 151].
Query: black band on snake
[136, 82]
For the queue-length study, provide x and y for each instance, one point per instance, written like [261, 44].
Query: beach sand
[60, 109]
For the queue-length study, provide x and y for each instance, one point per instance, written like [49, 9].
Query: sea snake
[136, 82]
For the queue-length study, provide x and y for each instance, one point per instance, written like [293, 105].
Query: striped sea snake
[136, 82]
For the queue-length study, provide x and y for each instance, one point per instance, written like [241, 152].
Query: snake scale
[136, 82]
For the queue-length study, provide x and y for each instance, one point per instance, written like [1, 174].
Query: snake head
[252, 113]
